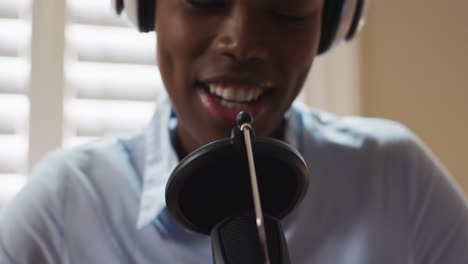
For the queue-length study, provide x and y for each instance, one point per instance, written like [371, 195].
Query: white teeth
[212, 89]
[250, 95]
[236, 95]
[231, 105]
[241, 95]
[219, 91]
[229, 94]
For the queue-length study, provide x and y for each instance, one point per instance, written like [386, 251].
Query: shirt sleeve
[30, 225]
[438, 212]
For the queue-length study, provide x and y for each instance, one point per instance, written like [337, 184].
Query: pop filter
[212, 184]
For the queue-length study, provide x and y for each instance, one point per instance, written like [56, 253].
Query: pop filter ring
[274, 152]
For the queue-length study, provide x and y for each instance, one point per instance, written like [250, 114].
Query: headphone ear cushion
[330, 23]
[358, 20]
[118, 5]
[139, 12]
[146, 14]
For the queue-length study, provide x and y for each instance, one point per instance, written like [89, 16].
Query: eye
[291, 17]
[209, 5]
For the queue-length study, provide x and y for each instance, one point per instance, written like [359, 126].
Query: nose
[240, 36]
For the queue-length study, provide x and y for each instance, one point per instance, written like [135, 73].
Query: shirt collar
[161, 158]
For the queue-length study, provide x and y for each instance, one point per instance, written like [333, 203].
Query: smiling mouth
[235, 97]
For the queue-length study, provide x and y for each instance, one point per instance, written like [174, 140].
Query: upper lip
[238, 81]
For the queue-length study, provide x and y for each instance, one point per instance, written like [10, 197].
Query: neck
[181, 148]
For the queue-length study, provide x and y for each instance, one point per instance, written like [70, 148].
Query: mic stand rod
[246, 128]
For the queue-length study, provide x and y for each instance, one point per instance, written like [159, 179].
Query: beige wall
[415, 70]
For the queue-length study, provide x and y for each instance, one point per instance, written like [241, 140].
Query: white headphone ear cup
[130, 11]
[342, 20]
[358, 20]
[346, 19]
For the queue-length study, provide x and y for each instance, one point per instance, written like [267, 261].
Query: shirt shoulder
[354, 132]
[374, 156]
[387, 164]
[32, 223]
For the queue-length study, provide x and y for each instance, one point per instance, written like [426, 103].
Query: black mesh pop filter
[213, 183]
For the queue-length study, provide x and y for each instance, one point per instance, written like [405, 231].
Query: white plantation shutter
[111, 80]
[15, 34]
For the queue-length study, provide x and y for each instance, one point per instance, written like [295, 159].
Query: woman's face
[218, 57]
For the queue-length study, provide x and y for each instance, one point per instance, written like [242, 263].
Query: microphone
[236, 190]
[244, 121]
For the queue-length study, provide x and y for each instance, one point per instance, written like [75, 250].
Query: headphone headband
[342, 19]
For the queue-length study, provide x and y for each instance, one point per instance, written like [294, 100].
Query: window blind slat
[12, 153]
[14, 75]
[95, 118]
[110, 44]
[14, 37]
[14, 8]
[93, 12]
[14, 114]
[114, 81]
[14, 105]
[110, 75]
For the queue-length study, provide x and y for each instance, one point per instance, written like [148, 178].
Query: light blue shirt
[376, 195]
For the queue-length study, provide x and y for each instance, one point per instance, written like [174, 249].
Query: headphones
[341, 20]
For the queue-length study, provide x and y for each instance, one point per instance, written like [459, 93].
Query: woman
[377, 195]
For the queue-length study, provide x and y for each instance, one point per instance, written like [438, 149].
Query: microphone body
[235, 241]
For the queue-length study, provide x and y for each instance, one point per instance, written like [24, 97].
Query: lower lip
[227, 115]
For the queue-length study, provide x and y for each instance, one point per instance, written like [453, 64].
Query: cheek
[181, 42]
[170, 51]
[295, 68]
[298, 55]
[173, 48]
